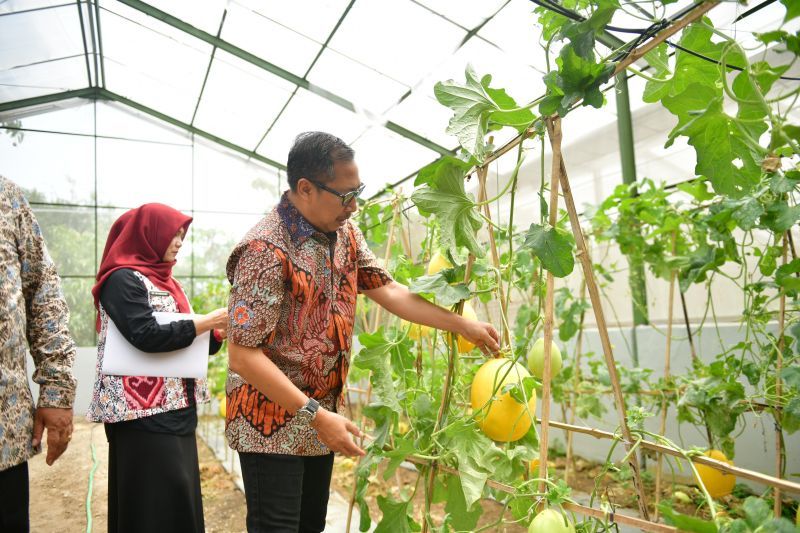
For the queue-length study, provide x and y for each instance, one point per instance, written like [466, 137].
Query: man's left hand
[481, 334]
[58, 423]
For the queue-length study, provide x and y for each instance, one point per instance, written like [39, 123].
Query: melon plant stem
[667, 356]
[779, 450]
[576, 380]
[452, 354]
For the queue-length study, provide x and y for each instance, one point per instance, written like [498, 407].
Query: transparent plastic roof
[252, 74]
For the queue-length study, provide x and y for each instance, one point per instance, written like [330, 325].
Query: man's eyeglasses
[346, 197]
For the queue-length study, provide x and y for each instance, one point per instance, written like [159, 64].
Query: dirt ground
[59, 492]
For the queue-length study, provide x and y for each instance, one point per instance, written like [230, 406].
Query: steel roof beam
[275, 70]
[98, 93]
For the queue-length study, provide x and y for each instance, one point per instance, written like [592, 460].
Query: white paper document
[121, 358]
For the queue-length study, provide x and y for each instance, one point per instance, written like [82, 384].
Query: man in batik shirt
[295, 278]
[32, 308]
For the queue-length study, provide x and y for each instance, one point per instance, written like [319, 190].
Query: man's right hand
[335, 431]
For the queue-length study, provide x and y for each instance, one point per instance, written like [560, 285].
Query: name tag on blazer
[159, 293]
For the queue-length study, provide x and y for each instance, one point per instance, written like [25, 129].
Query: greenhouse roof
[250, 75]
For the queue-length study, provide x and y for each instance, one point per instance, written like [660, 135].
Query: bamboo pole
[482, 172]
[594, 295]
[779, 388]
[554, 129]
[662, 428]
[376, 320]
[576, 379]
[697, 459]
[663, 35]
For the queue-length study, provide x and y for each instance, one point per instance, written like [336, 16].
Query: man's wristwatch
[307, 413]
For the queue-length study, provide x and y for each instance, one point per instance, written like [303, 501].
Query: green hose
[95, 463]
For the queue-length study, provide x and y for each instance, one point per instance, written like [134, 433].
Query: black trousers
[286, 493]
[14, 499]
[153, 482]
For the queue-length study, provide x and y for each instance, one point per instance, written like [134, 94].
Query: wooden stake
[667, 355]
[663, 35]
[482, 173]
[554, 129]
[597, 306]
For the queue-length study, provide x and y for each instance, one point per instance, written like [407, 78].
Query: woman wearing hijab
[150, 422]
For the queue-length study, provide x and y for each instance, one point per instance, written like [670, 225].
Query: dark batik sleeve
[257, 292]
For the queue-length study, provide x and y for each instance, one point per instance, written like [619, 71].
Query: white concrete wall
[755, 440]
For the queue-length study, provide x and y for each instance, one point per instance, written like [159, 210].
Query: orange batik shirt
[294, 297]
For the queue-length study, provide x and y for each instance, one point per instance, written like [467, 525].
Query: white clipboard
[121, 358]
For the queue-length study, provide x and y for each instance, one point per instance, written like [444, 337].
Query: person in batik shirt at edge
[32, 309]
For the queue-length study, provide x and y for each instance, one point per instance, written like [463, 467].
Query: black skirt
[153, 481]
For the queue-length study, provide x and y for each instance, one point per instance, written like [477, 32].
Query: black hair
[312, 157]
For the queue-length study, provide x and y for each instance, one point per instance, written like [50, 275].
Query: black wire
[655, 28]
[752, 10]
[712, 60]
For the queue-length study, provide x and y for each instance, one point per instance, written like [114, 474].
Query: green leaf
[396, 516]
[689, 69]
[792, 9]
[475, 106]
[553, 249]
[756, 512]
[577, 79]
[472, 106]
[781, 183]
[686, 522]
[747, 212]
[374, 356]
[471, 448]
[791, 376]
[658, 58]
[522, 391]
[445, 197]
[689, 104]
[427, 174]
[794, 331]
[473, 479]
[791, 416]
[510, 114]
[383, 417]
[781, 216]
[403, 447]
[786, 277]
[722, 153]
[521, 507]
[697, 189]
[463, 517]
[438, 286]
